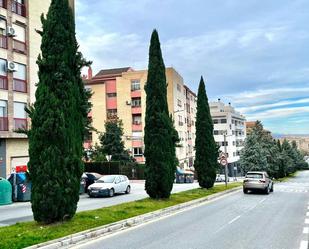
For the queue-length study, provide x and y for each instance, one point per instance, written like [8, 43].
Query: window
[179, 103]
[137, 152]
[135, 85]
[20, 78]
[3, 115]
[111, 95]
[216, 132]
[136, 102]
[215, 121]
[19, 41]
[20, 115]
[111, 113]
[178, 87]
[18, 7]
[3, 75]
[3, 37]
[137, 119]
[223, 121]
[3, 3]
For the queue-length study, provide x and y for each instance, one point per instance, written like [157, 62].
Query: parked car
[109, 185]
[258, 180]
[90, 178]
[221, 178]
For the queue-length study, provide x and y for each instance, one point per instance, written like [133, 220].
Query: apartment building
[120, 93]
[19, 49]
[228, 121]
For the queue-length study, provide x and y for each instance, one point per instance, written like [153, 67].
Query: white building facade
[228, 121]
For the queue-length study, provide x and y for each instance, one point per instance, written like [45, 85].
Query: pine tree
[58, 119]
[160, 136]
[206, 151]
[252, 156]
[112, 143]
[287, 158]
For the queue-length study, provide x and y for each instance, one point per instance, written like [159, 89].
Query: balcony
[3, 82]
[20, 85]
[19, 46]
[20, 123]
[4, 124]
[19, 8]
[3, 3]
[136, 110]
[3, 41]
[137, 126]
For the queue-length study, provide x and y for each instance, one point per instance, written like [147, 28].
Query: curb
[73, 239]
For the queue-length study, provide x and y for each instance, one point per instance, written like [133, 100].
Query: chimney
[89, 73]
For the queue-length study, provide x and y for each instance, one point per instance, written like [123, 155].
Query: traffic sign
[223, 161]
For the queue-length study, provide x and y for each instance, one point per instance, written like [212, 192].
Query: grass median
[26, 234]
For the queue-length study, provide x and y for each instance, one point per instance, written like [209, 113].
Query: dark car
[90, 178]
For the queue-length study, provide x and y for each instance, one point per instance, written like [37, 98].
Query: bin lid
[179, 171]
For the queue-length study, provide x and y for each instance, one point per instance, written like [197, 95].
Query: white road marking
[306, 230]
[306, 221]
[303, 244]
[236, 218]
[307, 214]
[307, 207]
[262, 200]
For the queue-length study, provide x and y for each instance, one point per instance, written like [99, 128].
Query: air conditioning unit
[12, 66]
[10, 31]
[128, 102]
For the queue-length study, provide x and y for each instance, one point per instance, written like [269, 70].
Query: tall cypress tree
[206, 151]
[59, 118]
[160, 135]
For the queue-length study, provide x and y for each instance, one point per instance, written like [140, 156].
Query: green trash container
[5, 192]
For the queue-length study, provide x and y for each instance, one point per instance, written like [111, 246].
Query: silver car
[258, 180]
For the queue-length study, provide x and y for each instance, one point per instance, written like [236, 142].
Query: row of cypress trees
[161, 137]
[59, 123]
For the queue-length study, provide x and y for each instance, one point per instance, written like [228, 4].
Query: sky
[252, 53]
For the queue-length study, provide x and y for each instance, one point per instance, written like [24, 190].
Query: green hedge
[131, 170]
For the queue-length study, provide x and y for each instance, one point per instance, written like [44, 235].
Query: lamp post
[225, 167]
[108, 158]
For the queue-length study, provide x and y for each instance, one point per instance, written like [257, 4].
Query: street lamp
[108, 158]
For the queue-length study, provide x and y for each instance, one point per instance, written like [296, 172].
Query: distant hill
[277, 136]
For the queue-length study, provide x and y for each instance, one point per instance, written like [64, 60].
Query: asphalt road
[275, 221]
[21, 211]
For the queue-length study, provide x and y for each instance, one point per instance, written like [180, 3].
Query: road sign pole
[225, 167]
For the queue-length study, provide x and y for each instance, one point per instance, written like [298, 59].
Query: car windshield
[106, 179]
[254, 176]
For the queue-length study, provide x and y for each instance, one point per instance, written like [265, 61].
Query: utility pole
[225, 167]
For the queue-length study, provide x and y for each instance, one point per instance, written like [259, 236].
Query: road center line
[236, 218]
[306, 221]
[303, 244]
[307, 214]
[306, 230]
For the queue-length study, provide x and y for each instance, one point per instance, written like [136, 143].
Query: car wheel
[128, 190]
[272, 188]
[111, 192]
[245, 191]
[267, 190]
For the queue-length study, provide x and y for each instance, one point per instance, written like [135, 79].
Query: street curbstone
[71, 240]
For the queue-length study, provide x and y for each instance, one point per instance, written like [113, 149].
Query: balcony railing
[4, 124]
[19, 46]
[3, 82]
[3, 41]
[18, 8]
[20, 85]
[3, 3]
[20, 123]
